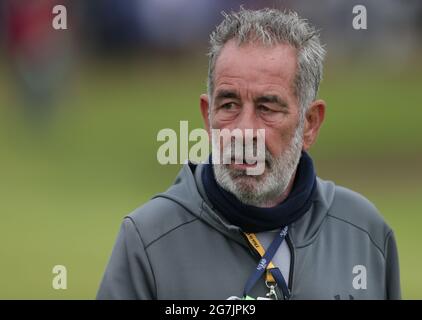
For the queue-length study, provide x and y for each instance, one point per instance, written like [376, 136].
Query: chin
[243, 176]
[246, 182]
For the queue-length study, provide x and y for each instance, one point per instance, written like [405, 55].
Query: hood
[188, 192]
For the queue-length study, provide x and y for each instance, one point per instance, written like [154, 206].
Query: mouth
[242, 165]
[245, 165]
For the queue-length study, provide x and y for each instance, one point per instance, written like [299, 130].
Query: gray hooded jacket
[177, 247]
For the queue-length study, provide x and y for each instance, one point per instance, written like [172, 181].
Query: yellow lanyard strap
[253, 240]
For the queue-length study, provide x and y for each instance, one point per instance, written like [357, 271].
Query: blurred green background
[66, 185]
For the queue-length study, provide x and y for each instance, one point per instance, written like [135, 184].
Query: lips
[254, 163]
[244, 165]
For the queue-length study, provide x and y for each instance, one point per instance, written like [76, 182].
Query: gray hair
[271, 27]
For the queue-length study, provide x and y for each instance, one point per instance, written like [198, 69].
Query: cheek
[278, 139]
[216, 121]
[216, 125]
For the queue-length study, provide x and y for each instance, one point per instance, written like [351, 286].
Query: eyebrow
[272, 99]
[226, 94]
[230, 94]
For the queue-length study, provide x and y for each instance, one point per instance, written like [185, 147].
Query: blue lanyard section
[263, 264]
[276, 273]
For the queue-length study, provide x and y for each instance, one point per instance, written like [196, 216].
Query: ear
[313, 120]
[205, 107]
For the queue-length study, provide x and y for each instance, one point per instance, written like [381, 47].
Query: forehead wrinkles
[252, 89]
[256, 65]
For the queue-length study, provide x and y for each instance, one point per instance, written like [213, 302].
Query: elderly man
[220, 233]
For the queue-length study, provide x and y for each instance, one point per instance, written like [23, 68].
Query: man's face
[254, 89]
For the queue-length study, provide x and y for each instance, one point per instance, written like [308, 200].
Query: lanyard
[273, 273]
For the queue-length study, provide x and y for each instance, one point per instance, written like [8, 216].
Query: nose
[248, 120]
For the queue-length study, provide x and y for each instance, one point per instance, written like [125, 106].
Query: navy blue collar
[255, 219]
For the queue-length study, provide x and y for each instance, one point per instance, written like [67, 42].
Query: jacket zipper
[292, 262]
